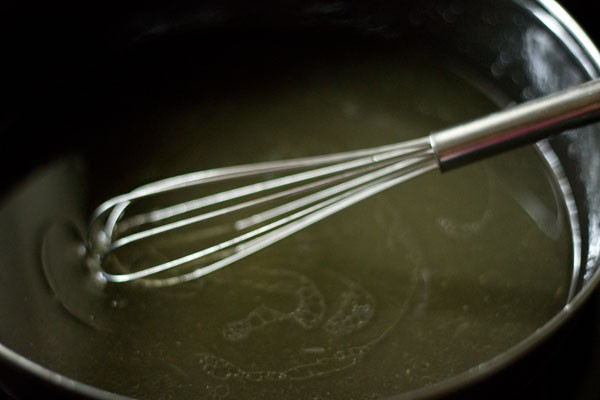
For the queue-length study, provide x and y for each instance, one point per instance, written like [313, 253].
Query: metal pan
[60, 60]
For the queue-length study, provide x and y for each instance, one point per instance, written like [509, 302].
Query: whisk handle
[515, 126]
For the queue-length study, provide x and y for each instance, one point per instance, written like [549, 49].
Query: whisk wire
[256, 240]
[333, 187]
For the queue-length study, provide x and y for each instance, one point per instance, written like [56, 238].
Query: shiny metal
[320, 186]
[316, 188]
[516, 126]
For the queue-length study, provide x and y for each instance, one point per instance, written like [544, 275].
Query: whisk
[269, 209]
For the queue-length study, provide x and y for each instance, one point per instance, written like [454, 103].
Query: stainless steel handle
[515, 126]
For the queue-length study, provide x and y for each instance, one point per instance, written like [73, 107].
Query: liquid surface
[403, 290]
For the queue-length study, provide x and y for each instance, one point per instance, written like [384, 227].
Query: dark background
[572, 372]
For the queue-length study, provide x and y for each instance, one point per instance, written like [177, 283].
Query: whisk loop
[272, 208]
[319, 187]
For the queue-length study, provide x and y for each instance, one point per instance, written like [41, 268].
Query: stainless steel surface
[319, 187]
[518, 125]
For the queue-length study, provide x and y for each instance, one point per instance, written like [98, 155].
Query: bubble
[118, 303]
[218, 368]
[222, 369]
[220, 392]
[311, 306]
[356, 310]
[256, 319]
[308, 312]
[340, 360]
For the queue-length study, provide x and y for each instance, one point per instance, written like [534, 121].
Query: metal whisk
[273, 208]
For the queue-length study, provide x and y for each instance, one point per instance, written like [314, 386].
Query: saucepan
[88, 92]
